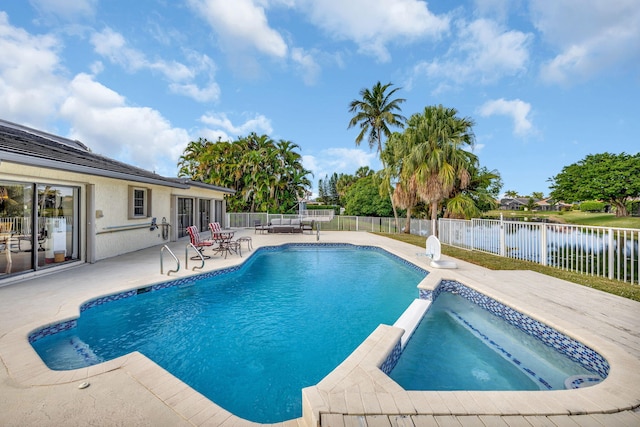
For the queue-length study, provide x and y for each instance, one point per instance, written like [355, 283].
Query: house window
[139, 202]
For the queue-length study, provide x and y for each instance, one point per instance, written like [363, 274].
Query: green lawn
[494, 262]
[574, 217]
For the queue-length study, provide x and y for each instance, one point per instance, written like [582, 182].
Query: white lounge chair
[434, 251]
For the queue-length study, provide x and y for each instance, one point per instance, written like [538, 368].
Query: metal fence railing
[328, 223]
[599, 251]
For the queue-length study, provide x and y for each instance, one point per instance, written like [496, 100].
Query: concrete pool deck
[134, 391]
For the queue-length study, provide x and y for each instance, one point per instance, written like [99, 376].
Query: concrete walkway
[134, 391]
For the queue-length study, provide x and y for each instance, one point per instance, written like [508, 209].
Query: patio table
[225, 243]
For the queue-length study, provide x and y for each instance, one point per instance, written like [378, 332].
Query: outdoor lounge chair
[198, 243]
[285, 225]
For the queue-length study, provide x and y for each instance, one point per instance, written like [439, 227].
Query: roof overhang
[70, 167]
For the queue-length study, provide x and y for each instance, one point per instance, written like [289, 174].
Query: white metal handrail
[186, 257]
[174, 257]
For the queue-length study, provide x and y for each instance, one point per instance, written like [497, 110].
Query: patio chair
[258, 226]
[224, 240]
[198, 243]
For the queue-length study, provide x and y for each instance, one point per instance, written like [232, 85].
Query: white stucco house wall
[62, 204]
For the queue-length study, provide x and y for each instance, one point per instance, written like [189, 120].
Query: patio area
[134, 391]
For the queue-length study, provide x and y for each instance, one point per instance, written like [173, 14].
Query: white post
[611, 254]
[503, 239]
[543, 243]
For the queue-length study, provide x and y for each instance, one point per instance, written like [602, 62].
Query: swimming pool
[255, 298]
[278, 323]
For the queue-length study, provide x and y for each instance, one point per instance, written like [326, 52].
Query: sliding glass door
[39, 226]
[185, 215]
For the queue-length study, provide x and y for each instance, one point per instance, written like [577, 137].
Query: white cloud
[241, 24]
[497, 9]
[484, 52]
[373, 24]
[65, 9]
[220, 122]
[113, 46]
[31, 76]
[590, 35]
[102, 119]
[516, 109]
[306, 64]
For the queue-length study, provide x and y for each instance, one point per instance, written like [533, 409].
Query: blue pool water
[461, 346]
[251, 339]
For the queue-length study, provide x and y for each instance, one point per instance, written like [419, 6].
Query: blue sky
[547, 82]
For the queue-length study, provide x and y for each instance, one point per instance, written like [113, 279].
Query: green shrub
[592, 206]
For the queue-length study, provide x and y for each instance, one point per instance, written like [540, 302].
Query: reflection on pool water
[249, 339]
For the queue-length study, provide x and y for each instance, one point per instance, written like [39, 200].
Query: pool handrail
[186, 257]
[174, 257]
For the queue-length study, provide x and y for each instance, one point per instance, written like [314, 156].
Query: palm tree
[190, 163]
[405, 191]
[266, 175]
[375, 112]
[479, 195]
[437, 158]
[406, 197]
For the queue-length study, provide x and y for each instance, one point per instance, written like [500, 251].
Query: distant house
[520, 203]
[513, 204]
[550, 204]
[547, 205]
[61, 204]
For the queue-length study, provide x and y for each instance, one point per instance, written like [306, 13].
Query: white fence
[335, 223]
[598, 251]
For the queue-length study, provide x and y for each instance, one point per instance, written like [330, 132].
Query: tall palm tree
[438, 157]
[375, 112]
[405, 190]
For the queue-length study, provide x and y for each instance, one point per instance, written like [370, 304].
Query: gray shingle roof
[27, 146]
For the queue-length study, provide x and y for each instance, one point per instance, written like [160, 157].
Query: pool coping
[357, 385]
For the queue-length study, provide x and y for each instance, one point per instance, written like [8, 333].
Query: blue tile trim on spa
[576, 351]
[63, 326]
